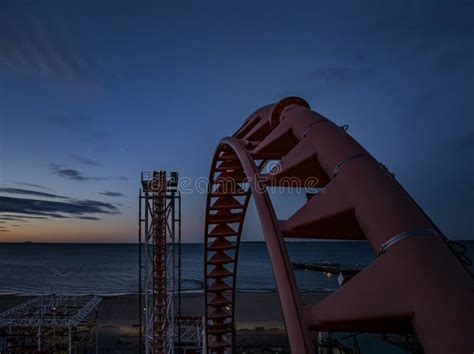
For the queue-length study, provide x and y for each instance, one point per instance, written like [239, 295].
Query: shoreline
[183, 292]
[258, 318]
[123, 308]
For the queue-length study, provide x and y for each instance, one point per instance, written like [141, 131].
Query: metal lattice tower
[160, 204]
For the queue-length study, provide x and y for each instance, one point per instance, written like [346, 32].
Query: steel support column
[159, 222]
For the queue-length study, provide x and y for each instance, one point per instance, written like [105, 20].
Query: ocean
[106, 269]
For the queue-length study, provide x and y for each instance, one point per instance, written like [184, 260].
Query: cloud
[22, 218]
[32, 42]
[88, 218]
[55, 209]
[15, 210]
[72, 174]
[112, 194]
[85, 160]
[26, 184]
[31, 192]
[11, 218]
[75, 175]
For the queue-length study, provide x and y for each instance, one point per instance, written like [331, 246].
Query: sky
[93, 92]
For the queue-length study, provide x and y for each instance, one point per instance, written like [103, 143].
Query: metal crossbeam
[50, 311]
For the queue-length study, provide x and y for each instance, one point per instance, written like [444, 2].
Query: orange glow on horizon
[115, 229]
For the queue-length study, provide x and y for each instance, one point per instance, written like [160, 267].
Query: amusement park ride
[416, 284]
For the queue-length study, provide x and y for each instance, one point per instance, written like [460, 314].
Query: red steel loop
[419, 285]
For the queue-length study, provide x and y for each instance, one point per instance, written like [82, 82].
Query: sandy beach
[258, 318]
[252, 309]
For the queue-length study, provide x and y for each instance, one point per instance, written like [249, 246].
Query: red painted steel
[159, 262]
[416, 283]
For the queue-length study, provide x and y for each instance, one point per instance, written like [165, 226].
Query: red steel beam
[416, 283]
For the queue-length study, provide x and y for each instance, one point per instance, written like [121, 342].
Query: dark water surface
[112, 268]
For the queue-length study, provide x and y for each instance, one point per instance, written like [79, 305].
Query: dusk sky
[93, 92]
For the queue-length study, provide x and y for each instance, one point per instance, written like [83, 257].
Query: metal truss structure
[47, 323]
[160, 224]
[192, 328]
[415, 284]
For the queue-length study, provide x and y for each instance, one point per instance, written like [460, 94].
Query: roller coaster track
[416, 283]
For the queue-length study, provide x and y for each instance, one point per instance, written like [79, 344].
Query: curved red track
[416, 282]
